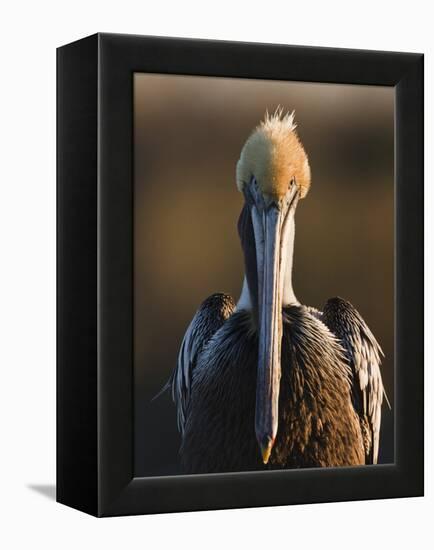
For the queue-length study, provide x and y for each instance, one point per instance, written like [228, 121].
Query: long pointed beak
[268, 229]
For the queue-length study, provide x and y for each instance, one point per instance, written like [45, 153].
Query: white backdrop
[30, 32]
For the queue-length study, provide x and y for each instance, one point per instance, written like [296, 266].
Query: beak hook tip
[266, 447]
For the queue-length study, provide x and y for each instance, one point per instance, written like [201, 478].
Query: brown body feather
[318, 425]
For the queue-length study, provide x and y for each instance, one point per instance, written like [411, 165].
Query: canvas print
[258, 347]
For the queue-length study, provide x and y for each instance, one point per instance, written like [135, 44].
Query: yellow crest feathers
[274, 155]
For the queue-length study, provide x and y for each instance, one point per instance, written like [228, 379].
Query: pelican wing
[363, 353]
[210, 316]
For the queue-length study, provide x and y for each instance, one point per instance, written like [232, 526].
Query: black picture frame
[95, 274]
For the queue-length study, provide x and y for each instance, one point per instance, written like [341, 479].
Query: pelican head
[273, 174]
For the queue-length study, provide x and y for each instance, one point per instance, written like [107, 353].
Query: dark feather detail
[363, 355]
[318, 425]
[210, 316]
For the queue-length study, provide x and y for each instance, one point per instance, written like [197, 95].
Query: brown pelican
[268, 382]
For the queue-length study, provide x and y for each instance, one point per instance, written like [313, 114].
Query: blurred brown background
[188, 135]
